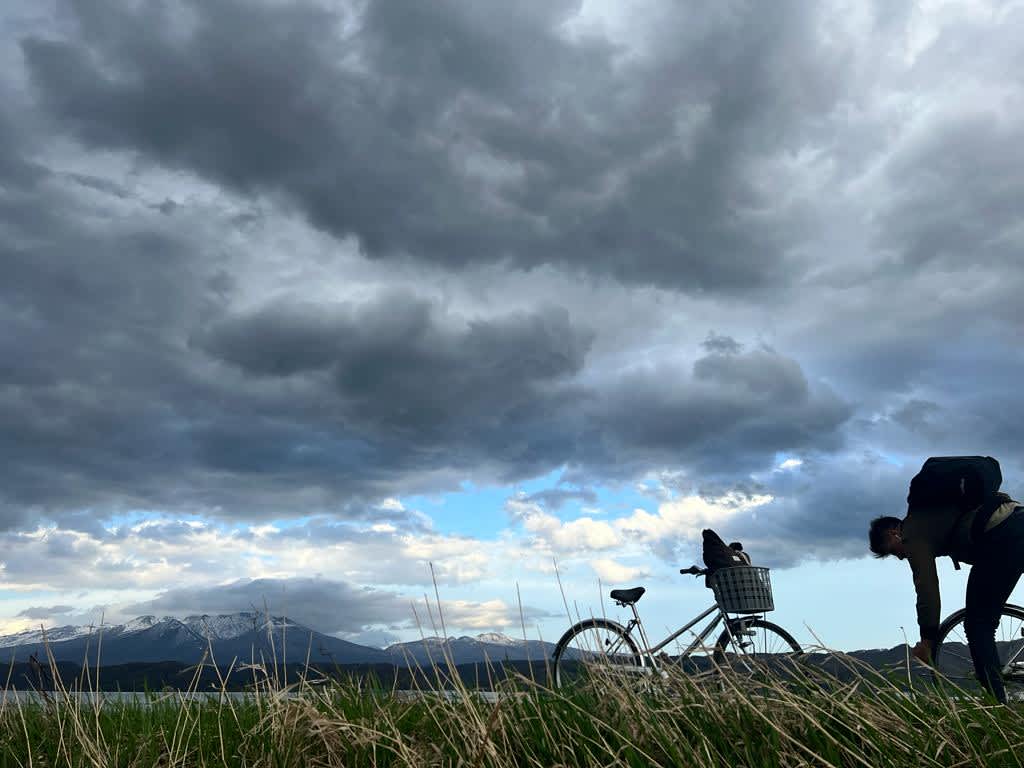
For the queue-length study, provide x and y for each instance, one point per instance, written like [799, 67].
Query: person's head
[885, 537]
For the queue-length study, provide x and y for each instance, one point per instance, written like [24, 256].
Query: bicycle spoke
[754, 644]
[953, 658]
[1010, 635]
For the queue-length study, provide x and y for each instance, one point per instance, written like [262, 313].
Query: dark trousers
[999, 563]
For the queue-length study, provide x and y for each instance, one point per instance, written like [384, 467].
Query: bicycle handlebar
[693, 570]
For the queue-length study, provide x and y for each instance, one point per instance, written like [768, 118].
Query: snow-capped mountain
[244, 636]
[249, 636]
[228, 626]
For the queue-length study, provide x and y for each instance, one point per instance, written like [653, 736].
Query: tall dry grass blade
[561, 590]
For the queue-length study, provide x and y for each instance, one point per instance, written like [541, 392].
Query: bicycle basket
[743, 589]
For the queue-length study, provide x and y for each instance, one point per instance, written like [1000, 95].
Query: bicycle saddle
[627, 596]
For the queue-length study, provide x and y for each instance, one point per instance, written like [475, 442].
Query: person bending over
[995, 549]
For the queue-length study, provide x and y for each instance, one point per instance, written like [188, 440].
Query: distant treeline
[172, 675]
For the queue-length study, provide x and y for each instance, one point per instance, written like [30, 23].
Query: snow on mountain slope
[52, 635]
[149, 639]
[496, 638]
[138, 624]
[226, 626]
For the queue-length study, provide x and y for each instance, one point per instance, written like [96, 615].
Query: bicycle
[952, 659]
[600, 646]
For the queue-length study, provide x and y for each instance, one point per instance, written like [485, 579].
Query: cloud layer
[270, 262]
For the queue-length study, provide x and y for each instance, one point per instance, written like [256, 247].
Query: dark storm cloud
[44, 612]
[16, 170]
[133, 398]
[491, 383]
[136, 372]
[145, 389]
[298, 408]
[462, 133]
[730, 415]
[90, 390]
[725, 345]
[397, 367]
[413, 389]
[822, 509]
[328, 606]
[957, 197]
[555, 498]
[921, 416]
[323, 605]
[105, 404]
[443, 134]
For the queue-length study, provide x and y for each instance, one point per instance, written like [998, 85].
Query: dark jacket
[936, 532]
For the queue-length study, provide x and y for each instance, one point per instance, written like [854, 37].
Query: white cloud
[147, 557]
[491, 614]
[587, 533]
[639, 534]
[519, 507]
[612, 572]
[685, 517]
[551, 533]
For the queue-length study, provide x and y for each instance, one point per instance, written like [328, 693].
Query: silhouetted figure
[955, 509]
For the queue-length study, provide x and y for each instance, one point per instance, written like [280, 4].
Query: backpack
[968, 482]
[717, 554]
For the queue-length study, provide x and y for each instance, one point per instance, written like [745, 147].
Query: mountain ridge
[256, 637]
[246, 634]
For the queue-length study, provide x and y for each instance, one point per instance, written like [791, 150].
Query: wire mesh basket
[743, 589]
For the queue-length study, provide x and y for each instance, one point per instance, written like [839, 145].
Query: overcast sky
[299, 298]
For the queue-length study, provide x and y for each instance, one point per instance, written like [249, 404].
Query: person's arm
[929, 604]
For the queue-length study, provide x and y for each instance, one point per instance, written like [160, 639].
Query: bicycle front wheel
[749, 643]
[595, 649]
[952, 658]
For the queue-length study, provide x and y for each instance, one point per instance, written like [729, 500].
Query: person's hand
[923, 651]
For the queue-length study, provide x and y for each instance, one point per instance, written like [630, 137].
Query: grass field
[721, 719]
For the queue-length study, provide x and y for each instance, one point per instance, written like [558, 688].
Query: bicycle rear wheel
[595, 649]
[952, 659]
[751, 643]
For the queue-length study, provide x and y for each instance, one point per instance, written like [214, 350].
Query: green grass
[723, 719]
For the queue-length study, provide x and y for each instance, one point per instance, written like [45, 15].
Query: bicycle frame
[698, 641]
[1014, 669]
